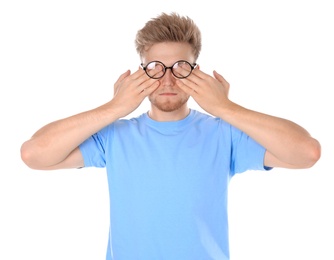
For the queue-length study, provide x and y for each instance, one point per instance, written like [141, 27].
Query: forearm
[54, 142]
[288, 142]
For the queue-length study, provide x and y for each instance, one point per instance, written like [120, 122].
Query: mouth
[167, 94]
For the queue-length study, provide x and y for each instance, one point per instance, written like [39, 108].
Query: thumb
[120, 79]
[222, 80]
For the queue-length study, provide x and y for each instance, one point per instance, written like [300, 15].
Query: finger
[220, 78]
[193, 82]
[199, 74]
[150, 89]
[136, 81]
[120, 79]
[147, 83]
[197, 78]
[139, 73]
[123, 76]
[139, 77]
[223, 81]
[182, 70]
[186, 87]
[154, 70]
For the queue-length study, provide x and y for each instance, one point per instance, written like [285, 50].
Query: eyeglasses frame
[193, 66]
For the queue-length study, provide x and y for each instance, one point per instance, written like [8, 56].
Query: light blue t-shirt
[168, 184]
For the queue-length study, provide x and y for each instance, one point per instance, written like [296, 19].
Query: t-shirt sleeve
[247, 154]
[93, 149]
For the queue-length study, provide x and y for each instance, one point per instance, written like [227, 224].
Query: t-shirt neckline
[171, 125]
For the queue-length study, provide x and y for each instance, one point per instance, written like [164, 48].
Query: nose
[168, 77]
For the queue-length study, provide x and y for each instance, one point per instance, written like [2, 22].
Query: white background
[58, 58]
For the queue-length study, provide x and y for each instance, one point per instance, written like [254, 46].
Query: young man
[169, 169]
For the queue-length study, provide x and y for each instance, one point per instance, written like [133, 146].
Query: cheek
[154, 93]
[182, 92]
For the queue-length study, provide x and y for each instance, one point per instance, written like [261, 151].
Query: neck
[164, 116]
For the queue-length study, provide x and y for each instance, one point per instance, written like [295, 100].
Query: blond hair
[169, 28]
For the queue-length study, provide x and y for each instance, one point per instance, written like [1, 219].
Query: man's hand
[211, 93]
[131, 89]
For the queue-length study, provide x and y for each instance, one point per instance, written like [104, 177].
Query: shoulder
[207, 119]
[127, 124]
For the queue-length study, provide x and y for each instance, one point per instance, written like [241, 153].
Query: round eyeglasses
[180, 69]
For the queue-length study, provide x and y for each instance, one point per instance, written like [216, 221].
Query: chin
[169, 106]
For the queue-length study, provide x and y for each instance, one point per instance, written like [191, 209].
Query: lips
[168, 94]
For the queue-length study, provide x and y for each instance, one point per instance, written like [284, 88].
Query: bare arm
[55, 146]
[287, 144]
